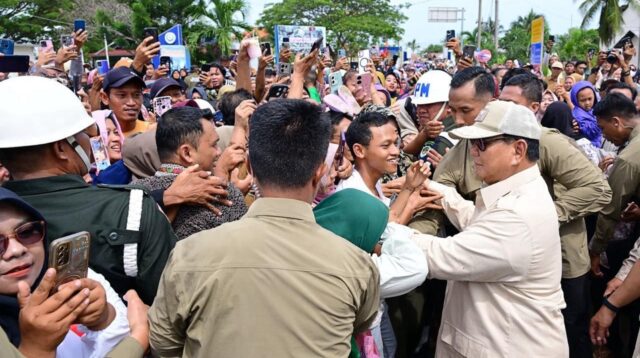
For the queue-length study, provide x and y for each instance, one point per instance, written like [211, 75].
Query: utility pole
[479, 23]
[496, 26]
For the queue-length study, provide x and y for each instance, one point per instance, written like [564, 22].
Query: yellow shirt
[141, 127]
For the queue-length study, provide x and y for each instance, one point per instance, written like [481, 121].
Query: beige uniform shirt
[625, 183]
[273, 284]
[561, 163]
[503, 269]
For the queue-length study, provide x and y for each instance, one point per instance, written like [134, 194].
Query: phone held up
[151, 32]
[161, 105]
[69, 255]
[450, 35]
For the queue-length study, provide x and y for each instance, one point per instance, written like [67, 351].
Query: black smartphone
[14, 64]
[278, 91]
[165, 61]
[79, 24]
[317, 44]
[353, 65]
[151, 31]
[205, 68]
[265, 48]
[468, 52]
[450, 34]
[552, 38]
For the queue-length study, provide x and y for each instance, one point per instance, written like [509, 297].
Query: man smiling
[122, 93]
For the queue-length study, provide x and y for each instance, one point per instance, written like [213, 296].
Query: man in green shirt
[47, 149]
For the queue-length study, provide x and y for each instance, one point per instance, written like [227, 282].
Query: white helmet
[202, 104]
[432, 87]
[37, 110]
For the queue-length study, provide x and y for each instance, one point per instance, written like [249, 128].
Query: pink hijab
[101, 120]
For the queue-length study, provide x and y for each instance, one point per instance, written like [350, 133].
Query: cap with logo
[498, 118]
[161, 85]
[432, 87]
[120, 76]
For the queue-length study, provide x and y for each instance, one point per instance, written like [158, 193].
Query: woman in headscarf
[176, 76]
[548, 97]
[23, 257]
[113, 138]
[362, 219]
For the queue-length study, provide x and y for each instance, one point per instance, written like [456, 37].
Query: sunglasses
[27, 234]
[483, 143]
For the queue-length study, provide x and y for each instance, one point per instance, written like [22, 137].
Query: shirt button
[113, 236]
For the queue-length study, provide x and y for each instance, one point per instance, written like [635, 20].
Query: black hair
[220, 68]
[176, 127]
[533, 146]
[347, 76]
[531, 86]
[229, 102]
[269, 72]
[578, 63]
[615, 105]
[482, 80]
[288, 141]
[623, 85]
[512, 73]
[336, 117]
[359, 131]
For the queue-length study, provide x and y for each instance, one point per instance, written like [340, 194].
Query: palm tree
[219, 20]
[413, 45]
[610, 12]
[525, 22]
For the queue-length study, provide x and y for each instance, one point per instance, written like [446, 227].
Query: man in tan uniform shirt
[576, 186]
[273, 284]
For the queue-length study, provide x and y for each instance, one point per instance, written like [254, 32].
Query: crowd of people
[404, 210]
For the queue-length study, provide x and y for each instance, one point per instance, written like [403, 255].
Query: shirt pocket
[462, 343]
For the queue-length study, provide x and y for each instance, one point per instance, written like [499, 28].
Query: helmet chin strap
[437, 117]
[78, 148]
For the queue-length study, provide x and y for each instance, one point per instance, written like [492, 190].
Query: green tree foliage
[517, 40]
[30, 20]
[351, 24]
[222, 21]
[576, 44]
[609, 14]
[433, 48]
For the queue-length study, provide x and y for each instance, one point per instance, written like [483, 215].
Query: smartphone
[342, 53]
[69, 255]
[450, 34]
[151, 31]
[6, 47]
[591, 52]
[205, 68]
[338, 159]
[317, 44]
[66, 40]
[161, 105]
[424, 153]
[284, 69]
[353, 65]
[375, 50]
[79, 24]
[326, 53]
[335, 81]
[278, 91]
[102, 66]
[265, 48]
[468, 51]
[165, 61]
[365, 80]
[552, 38]
[100, 154]
[46, 46]
[285, 42]
[14, 63]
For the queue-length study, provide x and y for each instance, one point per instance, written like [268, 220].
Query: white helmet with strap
[432, 87]
[37, 110]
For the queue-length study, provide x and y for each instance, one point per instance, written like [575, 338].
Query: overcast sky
[559, 14]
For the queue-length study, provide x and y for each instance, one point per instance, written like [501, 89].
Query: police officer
[44, 142]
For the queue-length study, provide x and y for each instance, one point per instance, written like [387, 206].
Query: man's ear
[359, 151]
[186, 154]
[535, 106]
[57, 148]
[104, 97]
[320, 172]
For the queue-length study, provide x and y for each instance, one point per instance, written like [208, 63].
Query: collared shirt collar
[46, 184]
[281, 207]
[490, 194]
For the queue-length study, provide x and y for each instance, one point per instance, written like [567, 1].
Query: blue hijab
[586, 120]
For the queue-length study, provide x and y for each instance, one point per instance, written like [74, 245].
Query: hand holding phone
[151, 32]
[161, 105]
[450, 35]
[79, 24]
[316, 45]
